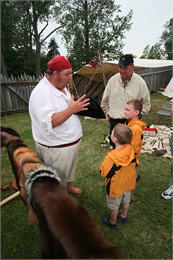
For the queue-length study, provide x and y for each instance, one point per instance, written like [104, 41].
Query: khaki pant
[63, 160]
[114, 203]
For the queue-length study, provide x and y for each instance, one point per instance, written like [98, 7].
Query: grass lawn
[148, 235]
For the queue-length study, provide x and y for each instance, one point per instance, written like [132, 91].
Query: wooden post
[101, 62]
[10, 198]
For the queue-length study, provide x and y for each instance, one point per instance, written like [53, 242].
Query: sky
[149, 18]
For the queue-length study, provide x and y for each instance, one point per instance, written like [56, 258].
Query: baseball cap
[58, 63]
[125, 60]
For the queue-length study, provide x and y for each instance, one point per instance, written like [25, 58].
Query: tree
[145, 52]
[8, 26]
[167, 39]
[155, 52]
[53, 46]
[20, 21]
[3, 66]
[89, 21]
[162, 49]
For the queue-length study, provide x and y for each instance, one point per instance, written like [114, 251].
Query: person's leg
[124, 211]
[137, 175]
[168, 194]
[71, 175]
[114, 214]
[70, 188]
[44, 154]
[63, 160]
[132, 197]
[113, 204]
[125, 201]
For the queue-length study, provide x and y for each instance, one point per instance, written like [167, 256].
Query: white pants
[63, 160]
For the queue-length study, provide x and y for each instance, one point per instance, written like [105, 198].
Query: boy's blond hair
[123, 133]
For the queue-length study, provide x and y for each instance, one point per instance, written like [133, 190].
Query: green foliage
[20, 35]
[16, 31]
[148, 233]
[155, 52]
[53, 46]
[14, 64]
[43, 60]
[163, 48]
[167, 39]
[88, 21]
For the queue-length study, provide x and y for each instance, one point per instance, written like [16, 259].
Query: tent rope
[104, 80]
[89, 82]
[75, 89]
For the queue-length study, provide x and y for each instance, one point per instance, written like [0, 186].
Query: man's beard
[59, 81]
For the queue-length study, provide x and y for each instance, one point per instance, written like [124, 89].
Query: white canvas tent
[169, 89]
[89, 80]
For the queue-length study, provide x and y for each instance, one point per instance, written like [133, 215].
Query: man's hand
[73, 108]
[78, 105]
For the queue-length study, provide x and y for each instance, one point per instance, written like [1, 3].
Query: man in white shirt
[122, 87]
[56, 128]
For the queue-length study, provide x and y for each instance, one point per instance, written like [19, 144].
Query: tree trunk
[87, 57]
[38, 65]
[37, 40]
[3, 66]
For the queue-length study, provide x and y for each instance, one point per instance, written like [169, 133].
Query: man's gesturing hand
[73, 108]
[78, 105]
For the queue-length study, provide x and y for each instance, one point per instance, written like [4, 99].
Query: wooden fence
[15, 92]
[156, 78]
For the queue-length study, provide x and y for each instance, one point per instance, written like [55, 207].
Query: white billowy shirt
[46, 100]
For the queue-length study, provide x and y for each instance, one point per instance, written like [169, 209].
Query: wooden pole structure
[101, 62]
[10, 198]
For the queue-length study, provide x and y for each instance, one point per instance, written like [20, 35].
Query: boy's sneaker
[167, 194]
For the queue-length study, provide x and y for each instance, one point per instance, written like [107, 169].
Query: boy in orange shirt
[118, 168]
[133, 110]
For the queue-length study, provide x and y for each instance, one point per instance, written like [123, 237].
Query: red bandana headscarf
[58, 63]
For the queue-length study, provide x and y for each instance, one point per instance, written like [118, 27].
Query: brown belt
[62, 145]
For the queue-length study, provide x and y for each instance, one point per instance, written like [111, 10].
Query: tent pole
[101, 62]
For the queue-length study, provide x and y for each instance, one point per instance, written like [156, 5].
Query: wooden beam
[10, 198]
[17, 94]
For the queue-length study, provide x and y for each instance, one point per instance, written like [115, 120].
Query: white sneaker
[167, 194]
